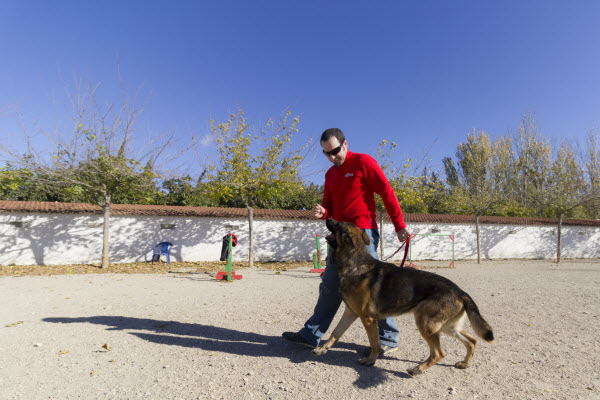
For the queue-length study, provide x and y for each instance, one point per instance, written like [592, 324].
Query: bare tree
[589, 154]
[97, 154]
[383, 156]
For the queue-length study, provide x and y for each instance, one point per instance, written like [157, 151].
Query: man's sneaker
[384, 350]
[295, 337]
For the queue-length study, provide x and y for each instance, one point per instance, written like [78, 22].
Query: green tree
[531, 165]
[178, 191]
[565, 189]
[16, 185]
[311, 195]
[414, 190]
[482, 179]
[255, 165]
[22, 184]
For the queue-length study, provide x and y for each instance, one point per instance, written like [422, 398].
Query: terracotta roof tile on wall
[148, 210]
[47, 207]
[283, 214]
[128, 209]
[175, 211]
[470, 219]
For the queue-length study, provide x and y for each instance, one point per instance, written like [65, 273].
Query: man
[350, 185]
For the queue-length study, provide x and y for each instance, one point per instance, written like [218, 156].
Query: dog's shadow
[223, 340]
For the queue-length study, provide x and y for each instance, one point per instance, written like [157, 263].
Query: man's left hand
[403, 234]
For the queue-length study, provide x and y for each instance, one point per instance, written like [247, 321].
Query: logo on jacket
[348, 174]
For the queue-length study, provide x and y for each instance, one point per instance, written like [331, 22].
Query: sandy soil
[189, 336]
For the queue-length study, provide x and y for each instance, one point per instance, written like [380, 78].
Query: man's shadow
[213, 338]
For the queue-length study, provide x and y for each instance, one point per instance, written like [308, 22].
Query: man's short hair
[333, 132]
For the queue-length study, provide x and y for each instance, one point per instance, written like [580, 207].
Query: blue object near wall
[162, 249]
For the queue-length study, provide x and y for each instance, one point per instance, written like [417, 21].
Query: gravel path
[188, 336]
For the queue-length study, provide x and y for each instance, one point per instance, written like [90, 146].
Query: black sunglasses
[334, 151]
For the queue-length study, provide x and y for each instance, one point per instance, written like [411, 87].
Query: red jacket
[349, 193]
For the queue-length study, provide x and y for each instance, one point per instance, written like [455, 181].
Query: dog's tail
[480, 325]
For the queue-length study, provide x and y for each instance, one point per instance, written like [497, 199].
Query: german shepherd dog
[373, 290]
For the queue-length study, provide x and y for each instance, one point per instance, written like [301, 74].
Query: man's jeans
[330, 300]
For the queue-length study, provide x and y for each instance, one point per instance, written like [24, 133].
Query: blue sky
[409, 71]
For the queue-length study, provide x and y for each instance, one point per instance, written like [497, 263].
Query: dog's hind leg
[454, 328]
[435, 355]
[370, 325]
[430, 330]
[470, 343]
[348, 318]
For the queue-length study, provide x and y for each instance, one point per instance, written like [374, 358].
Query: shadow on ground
[212, 338]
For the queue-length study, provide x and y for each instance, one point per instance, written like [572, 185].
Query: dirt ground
[188, 336]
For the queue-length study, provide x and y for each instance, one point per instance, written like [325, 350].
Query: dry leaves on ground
[145, 268]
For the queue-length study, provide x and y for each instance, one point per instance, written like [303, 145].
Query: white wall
[69, 238]
[63, 239]
[497, 242]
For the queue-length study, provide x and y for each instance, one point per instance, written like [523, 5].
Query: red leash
[407, 243]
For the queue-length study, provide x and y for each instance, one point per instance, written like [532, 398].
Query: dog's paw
[366, 362]
[461, 365]
[319, 351]
[414, 371]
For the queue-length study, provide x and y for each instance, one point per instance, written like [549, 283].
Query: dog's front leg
[370, 325]
[348, 318]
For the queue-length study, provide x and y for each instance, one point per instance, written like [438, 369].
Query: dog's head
[346, 236]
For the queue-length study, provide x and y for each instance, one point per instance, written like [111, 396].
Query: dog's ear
[365, 237]
[359, 240]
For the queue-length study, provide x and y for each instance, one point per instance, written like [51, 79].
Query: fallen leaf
[61, 352]
[93, 373]
[105, 346]
[14, 324]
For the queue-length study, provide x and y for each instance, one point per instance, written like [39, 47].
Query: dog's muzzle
[330, 239]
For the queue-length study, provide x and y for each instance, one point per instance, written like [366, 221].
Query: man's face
[332, 145]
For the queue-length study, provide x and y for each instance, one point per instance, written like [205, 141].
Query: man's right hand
[403, 234]
[319, 211]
